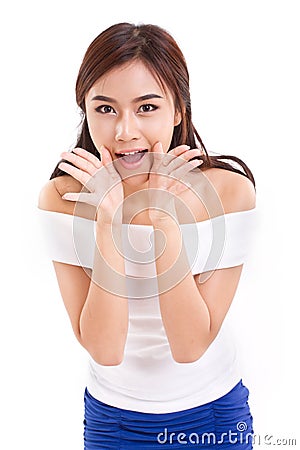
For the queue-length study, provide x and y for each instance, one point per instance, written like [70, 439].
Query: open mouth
[131, 160]
[132, 157]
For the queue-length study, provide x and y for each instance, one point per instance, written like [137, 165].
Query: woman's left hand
[169, 177]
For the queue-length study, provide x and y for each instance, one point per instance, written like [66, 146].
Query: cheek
[160, 130]
[98, 132]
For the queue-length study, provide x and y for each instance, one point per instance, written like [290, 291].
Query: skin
[192, 312]
[127, 123]
[142, 116]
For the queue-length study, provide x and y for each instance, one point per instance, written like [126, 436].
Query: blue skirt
[222, 423]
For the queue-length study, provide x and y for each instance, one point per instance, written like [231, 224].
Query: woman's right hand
[100, 178]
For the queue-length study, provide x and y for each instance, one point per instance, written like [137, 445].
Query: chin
[136, 180]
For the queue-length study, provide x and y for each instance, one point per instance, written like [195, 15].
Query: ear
[177, 118]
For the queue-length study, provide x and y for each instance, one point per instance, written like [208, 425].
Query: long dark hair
[157, 49]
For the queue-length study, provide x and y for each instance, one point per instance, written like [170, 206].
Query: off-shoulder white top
[148, 379]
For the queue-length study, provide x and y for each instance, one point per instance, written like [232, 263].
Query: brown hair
[156, 48]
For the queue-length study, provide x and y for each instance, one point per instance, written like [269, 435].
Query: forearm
[184, 312]
[104, 318]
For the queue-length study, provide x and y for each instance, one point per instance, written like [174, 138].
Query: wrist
[107, 225]
[108, 220]
[164, 221]
[166, 214]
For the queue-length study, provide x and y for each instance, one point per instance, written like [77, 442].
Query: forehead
[130, 80]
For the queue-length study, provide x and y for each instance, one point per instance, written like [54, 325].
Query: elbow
[103, 352]
[187, 359]
[190, 355]
[106, 358]
[107, 361]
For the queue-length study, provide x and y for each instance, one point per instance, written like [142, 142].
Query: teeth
[130, 153]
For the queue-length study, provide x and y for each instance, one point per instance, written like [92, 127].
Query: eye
[147, 108]
[104, 109]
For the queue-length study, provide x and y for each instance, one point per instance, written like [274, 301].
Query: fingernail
[196, 162]
[177, 150]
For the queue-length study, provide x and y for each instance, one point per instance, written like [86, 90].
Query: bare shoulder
[236, 191]
[50, 196]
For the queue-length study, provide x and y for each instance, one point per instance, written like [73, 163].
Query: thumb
[158, 153]
[158, 148]
[105, 155]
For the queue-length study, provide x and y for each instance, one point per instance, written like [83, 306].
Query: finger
[80, 162]
[158, 151]
[78, 174]
[105, 155]
[177, 151]
[77, 197]
[158, 148]
[82, 197]
[184, 155]
[108, 163]
[89, 156]
[158, 155]
[162, 157]
[181, 171]
[182, 159]
[180, 149]
[191, 153]
[172, 163]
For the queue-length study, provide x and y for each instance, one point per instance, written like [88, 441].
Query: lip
[130, 166]
[129, 150]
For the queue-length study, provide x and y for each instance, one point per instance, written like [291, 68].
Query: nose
[127, 128]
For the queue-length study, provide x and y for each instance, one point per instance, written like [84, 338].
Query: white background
[243, 59]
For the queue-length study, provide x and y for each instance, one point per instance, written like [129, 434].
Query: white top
[148, 379]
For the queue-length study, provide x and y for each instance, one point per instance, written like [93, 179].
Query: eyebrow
[103, 98]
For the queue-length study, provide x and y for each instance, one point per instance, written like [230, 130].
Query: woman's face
[128, 110]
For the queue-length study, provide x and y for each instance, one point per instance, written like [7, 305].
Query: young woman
[148, 234]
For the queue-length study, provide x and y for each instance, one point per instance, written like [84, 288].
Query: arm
[193, 313]
[104, 317]
[99, 319]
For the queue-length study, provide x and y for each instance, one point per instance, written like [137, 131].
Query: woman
[148, 235]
